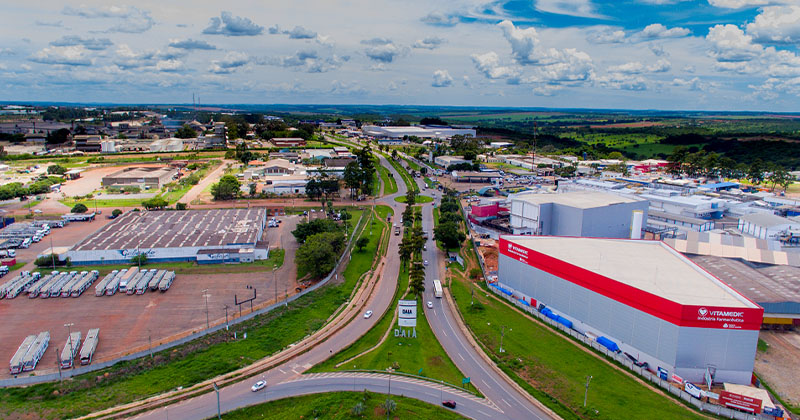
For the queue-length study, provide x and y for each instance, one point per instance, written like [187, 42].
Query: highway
[503, 400]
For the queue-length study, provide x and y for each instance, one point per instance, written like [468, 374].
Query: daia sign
[407, 313]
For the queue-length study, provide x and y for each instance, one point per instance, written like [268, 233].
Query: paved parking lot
[130, 322]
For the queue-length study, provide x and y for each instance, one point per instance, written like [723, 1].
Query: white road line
[462, 357]
[504, 401]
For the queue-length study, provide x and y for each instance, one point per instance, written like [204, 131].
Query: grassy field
[421, 199]
[403, 173]
[389, 184]
[338, 405]
[184, 365]
[275, 260]
[554, 370]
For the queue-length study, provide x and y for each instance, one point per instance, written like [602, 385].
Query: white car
[367, 314]
[258, 386]
[425, 263]
[430, 305]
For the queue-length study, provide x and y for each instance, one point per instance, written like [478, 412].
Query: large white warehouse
[640, 296]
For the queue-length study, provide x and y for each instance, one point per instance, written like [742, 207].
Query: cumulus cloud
[441, 78]
[56, 24]
[299, 32]
[126, 58]
[694, 84]
[489, 65]
[622, 81]
[729, 43]
[232, 61]
[347, 88]
[738, 4]
[440, 19]
[230, 25]
[383, 50]
[429, 43]
[132, 19]
[76, 55]
[94, 44]
[308, 61]
[607, 36]
[776, 24]
[191, 44]
[657, 30]
[580, 8]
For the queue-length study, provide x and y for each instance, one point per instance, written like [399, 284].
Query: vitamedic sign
[660, 307]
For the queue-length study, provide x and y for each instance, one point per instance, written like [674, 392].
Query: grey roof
[767, 220]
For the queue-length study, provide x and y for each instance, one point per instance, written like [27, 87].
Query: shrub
[79, 208]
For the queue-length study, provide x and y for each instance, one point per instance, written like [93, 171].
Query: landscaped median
[187, 364]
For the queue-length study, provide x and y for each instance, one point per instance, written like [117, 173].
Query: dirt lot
[128, 322]
[778, 365]
[92, 178]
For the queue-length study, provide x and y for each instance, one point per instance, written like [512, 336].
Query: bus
[437, 288]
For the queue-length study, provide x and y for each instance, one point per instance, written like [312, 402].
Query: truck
[70, 350]
[126, 279]
[90, 345]
[396, 230]
[437, 288]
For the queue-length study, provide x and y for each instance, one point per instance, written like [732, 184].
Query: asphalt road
[502, 400]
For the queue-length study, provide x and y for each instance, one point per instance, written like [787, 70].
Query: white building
[446, 161]
[427, 132]
[697, 206]
[765, 225]
[167, 145]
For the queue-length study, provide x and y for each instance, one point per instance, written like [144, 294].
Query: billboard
[740, 402]
[407, 313]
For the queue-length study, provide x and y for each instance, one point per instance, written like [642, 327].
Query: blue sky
[630, 54]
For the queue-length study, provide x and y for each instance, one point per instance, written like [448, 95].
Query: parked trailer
[90, 345]
[156, 280]
[141, 287]
[166, 282]
[45, 290]
[15, 366]
[70, 350]
[128, 278]
[36, 351]
[130, 288]
[55, 289]
[44, 284]
[21, 285]
[100, 289]
[66, 289]
[84, 284]
[113, 284]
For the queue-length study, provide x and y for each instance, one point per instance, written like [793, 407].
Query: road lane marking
[462, 357]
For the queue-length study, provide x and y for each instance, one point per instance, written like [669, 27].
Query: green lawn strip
[16, 266]
[403, 173]
[429, 182]
[389, 184]
[554, 370]
[338, 406]
[421, 199]
[361, 261]
[412, 164]
[183, 365]
[91, 203]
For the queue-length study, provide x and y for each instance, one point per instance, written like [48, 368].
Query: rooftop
[579, 199]
[650, 266]
[761, 283]
[174, 229]
[141, 172]
[767, 219]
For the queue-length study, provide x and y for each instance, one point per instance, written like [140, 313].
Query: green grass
[389, 184]
[410, 184]
[421, 199]
[762, 346]
[554, 370]
[16, 266]
[337, 405]
[90, 204]
[184, 365]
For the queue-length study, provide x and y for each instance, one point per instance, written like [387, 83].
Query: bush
[140, 259]
[47, 261]
[56, 169]
[133, 189]
[116, 212]
[79, 208]
[180, 206]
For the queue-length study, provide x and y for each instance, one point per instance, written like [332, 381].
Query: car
[449, 404]
[425, 263]
[424, 247]
[430, 305]
[367, 314]
[258, 386]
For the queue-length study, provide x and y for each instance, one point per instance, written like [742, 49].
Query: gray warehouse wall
[685, 351]
[612, 221]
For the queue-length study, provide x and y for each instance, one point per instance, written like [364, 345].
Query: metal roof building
[644, 296]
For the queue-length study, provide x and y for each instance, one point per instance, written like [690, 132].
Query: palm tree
[389, 405]
[358, 409]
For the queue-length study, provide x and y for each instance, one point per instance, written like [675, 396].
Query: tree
[186, 132]
[226, 189]
[389, 405]
[304, 230]
[59, 136]
[116, 212]
[358, 409]
[155, 203]
[352, 177]
[79, 208]
[180, 206]
[449, 234]
[253, 189]
[677, 158]
[416, 278]
[755, 173]
[779, 177]
[362, 243]
[140, 259]
[317, 255]
[411, 197]
[474, 273]
[56, 170]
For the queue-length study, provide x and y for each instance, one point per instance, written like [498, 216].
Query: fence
[36, 379]
[622, 359]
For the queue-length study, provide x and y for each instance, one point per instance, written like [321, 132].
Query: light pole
[586, 393]
[226, 317]
[52, 252]
[69, 338]
[150, 343]
[276, 284]
[205, 295]
[502, 334]
[216, 389]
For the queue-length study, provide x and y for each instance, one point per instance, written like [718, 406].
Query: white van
[26, 243]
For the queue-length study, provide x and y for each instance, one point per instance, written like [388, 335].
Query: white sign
[693, 390]
[407, 313]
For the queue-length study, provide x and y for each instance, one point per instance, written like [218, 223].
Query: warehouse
[642, 297]
[234, 235]
[153, 177]
[578, 213]
[766, 225]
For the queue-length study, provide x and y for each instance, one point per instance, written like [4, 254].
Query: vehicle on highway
[367, 314]
[425, 263]
[430, 305]
[437, 288]
[258, 386]
[449, 404]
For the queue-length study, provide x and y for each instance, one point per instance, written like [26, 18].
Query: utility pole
[586, 393]
[276, 284]
[58, 363]
[150, 343]
[205, 295]
[52, 252]
[226, 317]
[472, 299]
[216, 389]
[502, 334]
[69, 338]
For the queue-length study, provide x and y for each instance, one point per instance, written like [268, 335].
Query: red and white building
[653, 302]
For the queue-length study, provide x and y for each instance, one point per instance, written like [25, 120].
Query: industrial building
[578, 213]
[421, 131]
[640, 297]
[445, 161]
[153, 177]
[234, 235]
[766, 225]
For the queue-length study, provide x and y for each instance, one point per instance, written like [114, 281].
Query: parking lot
[129, 323]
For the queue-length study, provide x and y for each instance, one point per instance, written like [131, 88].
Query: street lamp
[206, 295]
[586, 393]
[69, 338]
[216, 389]
[502, 334]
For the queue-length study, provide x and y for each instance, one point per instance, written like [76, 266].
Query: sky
[738, 55]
